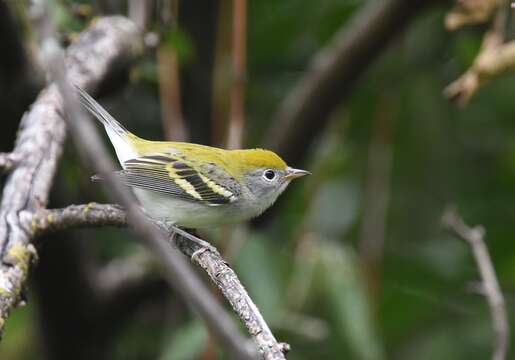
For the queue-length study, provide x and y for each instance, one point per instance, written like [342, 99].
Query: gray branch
[474, 236]
[39, 146]
[225, 278]
[333, 73]
[222, 275]
[73, 216]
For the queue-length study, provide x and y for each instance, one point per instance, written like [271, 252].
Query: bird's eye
[269, 175]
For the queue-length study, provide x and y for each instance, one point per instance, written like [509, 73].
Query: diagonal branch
[222, 275]
[490, 286]
[334, 71]
[39, 146]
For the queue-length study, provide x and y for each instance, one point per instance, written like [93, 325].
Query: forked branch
[222, 275]
[474, 236]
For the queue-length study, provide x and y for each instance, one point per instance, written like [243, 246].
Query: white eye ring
[269, 175]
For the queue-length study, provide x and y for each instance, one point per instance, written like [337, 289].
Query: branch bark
[39, 146]
[222, 275]
[474, 236]
[333, 72]
[73, 216]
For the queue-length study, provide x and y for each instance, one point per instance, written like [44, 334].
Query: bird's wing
[174, 177]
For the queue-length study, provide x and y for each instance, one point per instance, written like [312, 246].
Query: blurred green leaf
[328, 202]
[348, 300]
[182, 44]
[257, 268]
[187, 343]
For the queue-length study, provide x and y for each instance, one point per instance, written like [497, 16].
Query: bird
[191, 185]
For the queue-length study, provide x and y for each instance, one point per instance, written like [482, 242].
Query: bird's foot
[202, 244]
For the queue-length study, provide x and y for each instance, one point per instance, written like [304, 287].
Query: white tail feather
[118, 135]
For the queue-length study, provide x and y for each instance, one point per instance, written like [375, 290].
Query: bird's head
[263, 173]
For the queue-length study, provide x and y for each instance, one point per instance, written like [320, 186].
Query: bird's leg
[204, 245]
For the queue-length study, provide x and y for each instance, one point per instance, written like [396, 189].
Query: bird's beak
[292, 173]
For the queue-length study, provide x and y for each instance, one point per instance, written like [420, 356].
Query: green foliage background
[304, 268]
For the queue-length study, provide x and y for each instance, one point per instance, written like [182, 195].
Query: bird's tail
[121, 138]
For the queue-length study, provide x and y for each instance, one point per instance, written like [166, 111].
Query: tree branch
[92, 215]
[495, 57]
[333, 72]
[39, 146]
[73, 216]
[490, 286]
[224, 277]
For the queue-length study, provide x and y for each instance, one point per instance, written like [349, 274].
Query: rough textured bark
[39, 146]
[218, 270]
[226, 280]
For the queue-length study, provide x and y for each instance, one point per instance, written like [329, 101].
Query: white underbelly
[187, 213]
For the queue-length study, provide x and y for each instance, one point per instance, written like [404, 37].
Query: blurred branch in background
[40, 143]
[333, 73]
[474, 237]
[306, 111]
[495, 57]
[470, 12]
[239, 76]
[377, 196]
[169, 77]
[222, 74]
[139, 12]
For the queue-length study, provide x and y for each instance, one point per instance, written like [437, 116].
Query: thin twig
[377, 197]
[470, 12]
[474, 236]
[495, 57]
[179, 273]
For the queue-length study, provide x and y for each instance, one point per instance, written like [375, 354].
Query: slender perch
[93, 214]
[474, 236]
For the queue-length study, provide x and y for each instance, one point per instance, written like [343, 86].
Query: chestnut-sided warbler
[195, 185]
